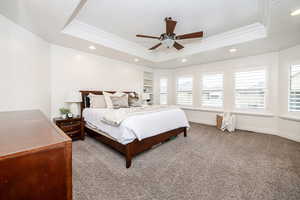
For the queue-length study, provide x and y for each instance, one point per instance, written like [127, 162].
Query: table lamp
[74, 98]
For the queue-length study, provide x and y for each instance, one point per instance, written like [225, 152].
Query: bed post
[184, 132]
[82, 105]
[128, 155]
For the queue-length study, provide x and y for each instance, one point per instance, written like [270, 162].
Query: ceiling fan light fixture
[168, 43]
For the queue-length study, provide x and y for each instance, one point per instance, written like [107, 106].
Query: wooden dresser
[35, 158]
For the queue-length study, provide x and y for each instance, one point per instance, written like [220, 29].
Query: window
[250, 89]
[294, 88]
[212, 90]
[184, 94]
[163, 85]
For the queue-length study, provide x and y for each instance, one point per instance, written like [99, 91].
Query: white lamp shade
[146, 96]
[73, 97]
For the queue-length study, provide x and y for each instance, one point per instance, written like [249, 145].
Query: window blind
[184, 93]
[294, 90]
[212, 90]
[163, 91]
[250, 89]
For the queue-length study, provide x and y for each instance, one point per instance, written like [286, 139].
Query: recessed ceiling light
[183, 60]
[136, 60]
[232, 50]
[92, 47]
[295, 12]
[78, 57]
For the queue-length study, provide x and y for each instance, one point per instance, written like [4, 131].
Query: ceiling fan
[169, 38]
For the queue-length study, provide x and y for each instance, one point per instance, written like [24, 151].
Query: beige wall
[287, 127]
[38, 75]
[24, 69]
[73, 70]
[268, 121]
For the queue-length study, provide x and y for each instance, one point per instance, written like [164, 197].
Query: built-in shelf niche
[148, 86]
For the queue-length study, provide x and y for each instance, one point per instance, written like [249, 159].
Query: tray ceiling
[253, 27]
[128, 18]
[114, 24]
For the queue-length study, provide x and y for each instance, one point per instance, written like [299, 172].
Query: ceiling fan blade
[178, 46]
[152, 48]
[148, 36]
[190, 35]
[170, 26]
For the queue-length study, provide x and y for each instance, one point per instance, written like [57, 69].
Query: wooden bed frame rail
[135, 147]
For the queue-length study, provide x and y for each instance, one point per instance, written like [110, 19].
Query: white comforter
[138, 126]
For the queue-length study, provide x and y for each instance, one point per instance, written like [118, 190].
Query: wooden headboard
[84, 93]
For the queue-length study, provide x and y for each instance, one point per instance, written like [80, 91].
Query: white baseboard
[260, 130]
[291, 136]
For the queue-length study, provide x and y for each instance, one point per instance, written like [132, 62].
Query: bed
[137, 133]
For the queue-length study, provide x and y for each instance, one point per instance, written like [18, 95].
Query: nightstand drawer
[69, 123]
[73, 134]
[73, 127]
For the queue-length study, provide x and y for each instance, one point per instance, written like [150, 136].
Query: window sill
[291, 118]
[202, 109]
[262, 114]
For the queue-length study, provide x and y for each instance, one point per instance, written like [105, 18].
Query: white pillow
[97, 101]
[107, 98]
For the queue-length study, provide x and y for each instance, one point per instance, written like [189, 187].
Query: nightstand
[73, 127]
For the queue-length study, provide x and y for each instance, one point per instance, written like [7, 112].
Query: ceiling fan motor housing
[165, 36]
[168, 18]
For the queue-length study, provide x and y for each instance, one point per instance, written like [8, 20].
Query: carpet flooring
[207, 165]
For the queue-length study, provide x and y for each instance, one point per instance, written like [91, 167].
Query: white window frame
[163, 93]
[202, 89]
[192, 91]
[289, 87]
[249, 69]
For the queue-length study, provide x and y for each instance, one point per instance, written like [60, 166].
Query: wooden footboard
[136, 147]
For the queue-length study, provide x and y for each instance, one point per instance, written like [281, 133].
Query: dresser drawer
[72, 127]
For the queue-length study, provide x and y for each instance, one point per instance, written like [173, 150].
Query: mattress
[137, 127]
[91, 127]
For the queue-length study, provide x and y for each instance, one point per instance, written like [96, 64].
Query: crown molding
[97, 36]
[240, 35]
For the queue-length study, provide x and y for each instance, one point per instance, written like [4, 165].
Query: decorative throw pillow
[134, 101]
[97, 101]
[119, 101]
[107, 98]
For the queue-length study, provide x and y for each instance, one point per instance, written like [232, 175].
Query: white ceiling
[45, 19]
[78, 24]
[128, 18]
